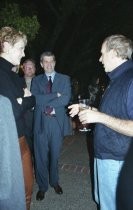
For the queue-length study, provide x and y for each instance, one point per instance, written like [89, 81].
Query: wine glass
[84, 104]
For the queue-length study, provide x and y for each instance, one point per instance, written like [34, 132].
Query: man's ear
[113, 53]
[41, 64]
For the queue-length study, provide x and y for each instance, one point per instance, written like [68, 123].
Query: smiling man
[53, 92]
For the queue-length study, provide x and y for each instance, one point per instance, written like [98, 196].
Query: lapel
[56, 81]
[43, 83]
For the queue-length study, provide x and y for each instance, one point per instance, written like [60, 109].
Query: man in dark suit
[53, 92]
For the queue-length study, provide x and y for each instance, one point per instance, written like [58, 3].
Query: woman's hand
[19, 100]
[27, 93]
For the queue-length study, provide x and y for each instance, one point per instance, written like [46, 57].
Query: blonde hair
[10, 35]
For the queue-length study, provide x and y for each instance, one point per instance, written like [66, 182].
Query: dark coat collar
[120, 69]
[5, 65]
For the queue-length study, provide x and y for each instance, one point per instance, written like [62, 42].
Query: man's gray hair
[47, 53]
[121, 44]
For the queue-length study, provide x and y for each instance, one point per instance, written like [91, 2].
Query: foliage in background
[73, 30]
[10, 15]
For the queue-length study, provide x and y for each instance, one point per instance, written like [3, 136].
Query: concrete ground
[75, 177]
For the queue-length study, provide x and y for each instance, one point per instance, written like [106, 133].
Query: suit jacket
[61, 84]
[12, 192]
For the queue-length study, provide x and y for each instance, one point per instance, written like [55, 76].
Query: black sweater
[11, 86]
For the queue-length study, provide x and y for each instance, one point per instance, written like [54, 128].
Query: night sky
[74, 31]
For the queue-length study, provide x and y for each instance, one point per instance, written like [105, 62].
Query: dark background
[74, 30]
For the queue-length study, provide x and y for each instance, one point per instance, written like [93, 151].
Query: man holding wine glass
[114, 125]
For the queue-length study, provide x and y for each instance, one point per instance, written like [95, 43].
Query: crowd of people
[34, 120]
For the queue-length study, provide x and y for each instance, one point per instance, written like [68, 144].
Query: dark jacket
[117, 102]
[11, 86]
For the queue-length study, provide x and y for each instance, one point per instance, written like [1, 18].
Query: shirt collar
[51, 74]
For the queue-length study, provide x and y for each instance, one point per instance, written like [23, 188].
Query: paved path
[75, 178]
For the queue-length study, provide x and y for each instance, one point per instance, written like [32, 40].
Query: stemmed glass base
[84, 129]
[84, 104]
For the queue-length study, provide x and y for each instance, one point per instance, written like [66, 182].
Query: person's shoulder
[63, 75]
[4, 101]
[129, 74]
[3, 73]
[38, 77]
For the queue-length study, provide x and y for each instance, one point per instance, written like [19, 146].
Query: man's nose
[49, 65]
[100, 59]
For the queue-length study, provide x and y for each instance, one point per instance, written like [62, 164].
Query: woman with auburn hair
[12, 45]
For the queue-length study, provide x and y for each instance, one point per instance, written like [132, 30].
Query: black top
[11, 86]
